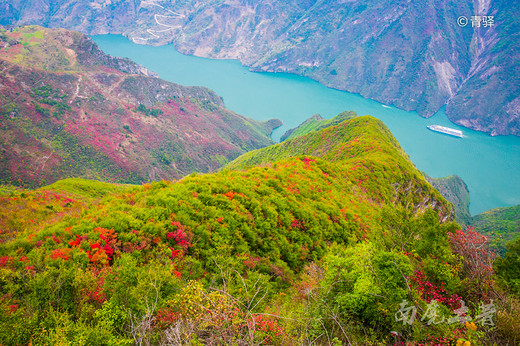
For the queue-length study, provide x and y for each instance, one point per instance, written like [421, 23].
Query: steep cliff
[455, 190]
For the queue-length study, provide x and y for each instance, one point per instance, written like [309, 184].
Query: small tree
[478, 259]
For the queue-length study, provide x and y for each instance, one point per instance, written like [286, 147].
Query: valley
[488, 165]
[413, 56]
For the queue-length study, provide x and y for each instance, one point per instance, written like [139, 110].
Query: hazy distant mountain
[410, 54]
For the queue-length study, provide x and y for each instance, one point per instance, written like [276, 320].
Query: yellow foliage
[471, 326]
[99, 258]
[194, 302]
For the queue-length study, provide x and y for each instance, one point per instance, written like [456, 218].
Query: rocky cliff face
[414, 56]
[489, 98]
[455, 190]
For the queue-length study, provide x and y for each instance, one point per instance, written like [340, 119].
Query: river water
[490, 166]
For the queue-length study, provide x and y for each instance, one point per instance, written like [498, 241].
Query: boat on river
[446, 130]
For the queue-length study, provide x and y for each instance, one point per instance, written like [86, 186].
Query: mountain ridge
[227, 250]
[452, 188]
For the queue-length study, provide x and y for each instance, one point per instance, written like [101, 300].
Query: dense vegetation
[501, 224]
[332, 247]
[508, 266]
[316, 122]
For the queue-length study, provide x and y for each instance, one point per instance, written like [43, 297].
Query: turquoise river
[490, 166]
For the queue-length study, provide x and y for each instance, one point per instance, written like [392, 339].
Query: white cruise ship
[446, 130]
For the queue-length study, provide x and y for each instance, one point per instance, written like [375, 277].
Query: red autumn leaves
[102, 251]
[179, 237]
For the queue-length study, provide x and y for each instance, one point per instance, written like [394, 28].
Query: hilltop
[69, 110]
[319, 238]
[453, 188]
[316, 122]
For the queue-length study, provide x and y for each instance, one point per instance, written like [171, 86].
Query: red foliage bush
[78, 241]
[103, 250]
[308, 160]
[60, 253]
[229, 195]
[269, 327]
[478, 259]
[95, 294]
[179, 236]
[5, 261]
[174, 254]
[297, 224]
[431, 292]
[165, 317]
[13, 308]
[251, 261]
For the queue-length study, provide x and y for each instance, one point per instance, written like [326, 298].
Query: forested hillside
[334, 244]
[69, 110]
[501, 224]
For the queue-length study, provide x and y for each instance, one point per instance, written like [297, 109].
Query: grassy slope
[29, 211]
[501, 224]
[307, 126]
[452, 188]
[359, 158]
[335, 143]
[85, 189]
[346, 142]
[316, 122]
